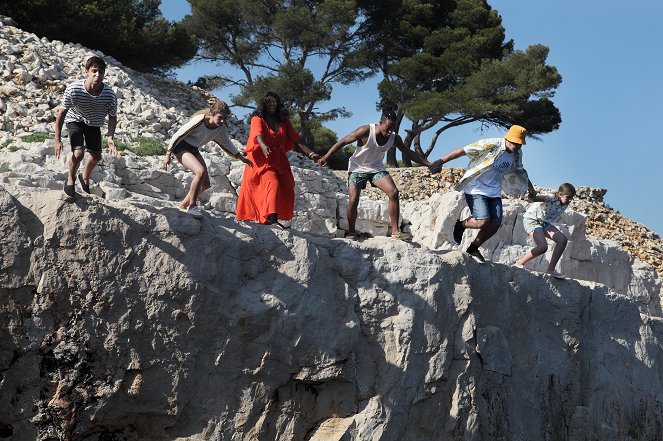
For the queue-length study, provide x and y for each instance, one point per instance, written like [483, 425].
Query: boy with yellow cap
[490, 160]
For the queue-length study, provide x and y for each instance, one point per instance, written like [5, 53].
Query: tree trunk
[306, 134]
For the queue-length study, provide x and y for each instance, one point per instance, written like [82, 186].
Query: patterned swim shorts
[359, 180]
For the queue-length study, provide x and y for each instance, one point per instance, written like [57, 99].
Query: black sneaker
[69, 190]
[473, 251]
[84, 186]
[459, 229]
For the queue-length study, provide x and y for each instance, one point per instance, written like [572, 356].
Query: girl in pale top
[539, 219]
[205, 126]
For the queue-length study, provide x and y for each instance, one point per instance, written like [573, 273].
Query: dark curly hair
[281, 112]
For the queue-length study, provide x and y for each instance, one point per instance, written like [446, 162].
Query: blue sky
[609, 55]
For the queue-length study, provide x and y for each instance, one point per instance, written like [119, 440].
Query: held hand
[265, 150]
[436, 167]
[322, 161]
[58, 148]
[245, 160]
[315, 157]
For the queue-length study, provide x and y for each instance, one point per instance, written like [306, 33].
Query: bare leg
[353, 203]
[90, 164]
[388, 186]
[486, 227]
[74, 163]
[560, 244]
[541, 247]
[199, 169]
[486, 232]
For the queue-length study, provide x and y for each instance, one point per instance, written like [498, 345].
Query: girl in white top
[539, 219]
[205, 126]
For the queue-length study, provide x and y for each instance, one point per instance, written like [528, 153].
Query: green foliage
[36, 137]
[7, 142]
[4, 168]
[132, 31]
[324, 138]
[148, 147]
[273, 44]
[12, 148]
[448, 64]
[139, 146]
[119, 145]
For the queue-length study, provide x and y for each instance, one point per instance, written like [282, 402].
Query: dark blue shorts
[484, 208]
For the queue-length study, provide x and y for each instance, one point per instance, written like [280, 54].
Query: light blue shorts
[484, 208]
[534, 224]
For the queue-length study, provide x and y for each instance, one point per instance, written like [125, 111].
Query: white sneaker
[193, 211]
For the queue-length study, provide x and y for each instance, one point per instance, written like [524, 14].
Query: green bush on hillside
[36, 137]
[147, 147]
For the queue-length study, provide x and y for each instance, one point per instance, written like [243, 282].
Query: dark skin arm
[357, 135]
[360, 136]
[413, 155]
[306, 150]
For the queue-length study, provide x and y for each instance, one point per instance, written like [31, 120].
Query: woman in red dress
[267, 193]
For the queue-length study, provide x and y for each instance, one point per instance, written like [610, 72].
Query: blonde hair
[567, 189]
[217, 108]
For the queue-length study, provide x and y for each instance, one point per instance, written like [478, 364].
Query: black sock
[472, 248]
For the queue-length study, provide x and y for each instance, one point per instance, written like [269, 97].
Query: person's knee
[539, 249]
[353, 200]
[392, 193]
[77, 155]
[483, 224]
[199, 173]
[561, 240]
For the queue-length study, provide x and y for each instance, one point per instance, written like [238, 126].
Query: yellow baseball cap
[516, 135]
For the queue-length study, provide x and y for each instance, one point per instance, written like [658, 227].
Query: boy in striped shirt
[84, 108]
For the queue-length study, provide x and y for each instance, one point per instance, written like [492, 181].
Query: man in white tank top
[367, 165]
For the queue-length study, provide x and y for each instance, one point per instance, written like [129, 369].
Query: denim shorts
[359, 179]
[484, 208]
[533, 224]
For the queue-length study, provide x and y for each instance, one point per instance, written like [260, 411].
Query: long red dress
[268, 186]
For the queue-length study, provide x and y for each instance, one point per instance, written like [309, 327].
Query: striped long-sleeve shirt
[86, 108]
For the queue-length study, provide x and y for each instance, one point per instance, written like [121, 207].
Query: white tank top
[369, 158]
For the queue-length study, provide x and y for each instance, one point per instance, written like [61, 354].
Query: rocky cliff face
[125, 319]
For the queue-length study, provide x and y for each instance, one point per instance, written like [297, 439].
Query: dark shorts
[82, 136]
[183, 147]
[484, 208]
[359, 180]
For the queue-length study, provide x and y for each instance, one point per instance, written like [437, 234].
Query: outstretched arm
[354, 136]
[436, 166]
[306, 150]
[412, 154]
[59, 120]
[110, 135]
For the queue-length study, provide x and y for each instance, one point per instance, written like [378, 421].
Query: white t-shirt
[487, 183]
[369, 158]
